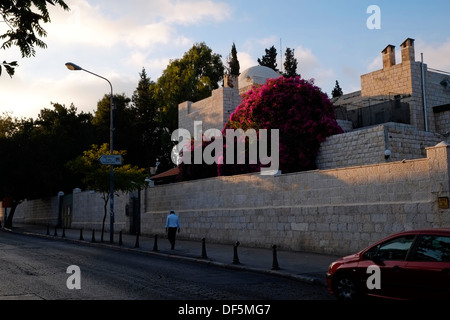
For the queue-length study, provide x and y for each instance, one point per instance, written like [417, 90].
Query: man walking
[172, 226]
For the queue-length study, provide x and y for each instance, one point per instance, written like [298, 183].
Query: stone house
[400, 110]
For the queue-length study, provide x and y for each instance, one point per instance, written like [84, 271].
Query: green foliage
[9, 66]
[290, 64]
[23, 21]
[233, 62]
[146, 146]
[96, 176]
[337, 91]
[7, 125]
[33, 153]
[269, 59]
[122, 120]
[191, 78]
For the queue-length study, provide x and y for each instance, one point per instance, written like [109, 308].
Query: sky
[332, 40]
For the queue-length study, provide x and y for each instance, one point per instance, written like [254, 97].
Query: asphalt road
[34, 268]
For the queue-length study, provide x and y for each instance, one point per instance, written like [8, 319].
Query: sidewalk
[302, 266]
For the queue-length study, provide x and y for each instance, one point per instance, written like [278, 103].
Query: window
[394, 249]
[433, 248]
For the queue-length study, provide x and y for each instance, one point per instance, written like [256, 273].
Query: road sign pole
[111, 178]
[111, 204]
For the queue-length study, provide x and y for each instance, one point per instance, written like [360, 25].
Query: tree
[337, 91]
[269, 59]
[23, 20]
[191, 78]
[122, 120]
[33, 154]
[290, 64]
[233, 62]
[15, 167]
[7, 125]
[145, 146]
[96, 176]
[61, 134]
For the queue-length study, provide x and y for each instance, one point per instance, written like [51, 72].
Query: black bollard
[235, 255]
[275, 260]
[48, 229]
[120, 238]
[136, 245]
[55, 234]
[155, 244]
[93, 235]
[81, 234]
[204, 255]
[64, 232]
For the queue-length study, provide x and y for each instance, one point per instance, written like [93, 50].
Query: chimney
[408, 50]
[230, 81]
[388, 56]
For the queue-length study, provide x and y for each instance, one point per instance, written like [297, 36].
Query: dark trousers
[171, 234]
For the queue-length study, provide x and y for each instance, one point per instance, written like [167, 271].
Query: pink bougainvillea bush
[303, 114]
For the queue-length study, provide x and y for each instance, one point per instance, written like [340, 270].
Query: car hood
[350, 258]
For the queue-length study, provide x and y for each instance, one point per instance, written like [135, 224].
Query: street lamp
[74, 67]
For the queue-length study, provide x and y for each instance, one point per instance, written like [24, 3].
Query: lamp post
[74, 67]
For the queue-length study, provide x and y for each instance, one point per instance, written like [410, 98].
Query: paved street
[37, 268]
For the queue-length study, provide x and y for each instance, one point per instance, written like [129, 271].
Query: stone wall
[40, 211]
[406, 79]
[368, 145]
[443, 122]
[214, 111]
[400, 79]
[365, 146]
[87, 211]
[334, 211]
[437, 94]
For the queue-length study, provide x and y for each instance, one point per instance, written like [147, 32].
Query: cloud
[245, 60]
[268, 42]
[436, 56]
[156, 22]
[375, 64]
[310, 67]
[194, 12]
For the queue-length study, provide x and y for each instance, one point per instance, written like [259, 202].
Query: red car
[407, 265]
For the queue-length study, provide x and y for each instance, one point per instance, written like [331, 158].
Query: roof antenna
[281, 51]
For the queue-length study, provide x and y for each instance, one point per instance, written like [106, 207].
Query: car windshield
[394, 249]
